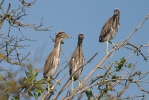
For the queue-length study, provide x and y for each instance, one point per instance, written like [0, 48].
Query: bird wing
[47, 66]
[51, 65]
[82, 61]
[72, 63]
[76, 61]
[106, 29]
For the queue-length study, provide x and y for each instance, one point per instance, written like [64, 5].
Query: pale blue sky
[87, 17]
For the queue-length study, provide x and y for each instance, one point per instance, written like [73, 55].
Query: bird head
[62, 35]
[80, 39]
[81, 36]
[116, 12]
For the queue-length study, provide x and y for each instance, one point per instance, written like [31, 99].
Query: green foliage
[89, 93]
[1, 76]
[30, 85]
[114, 77]
[121, 63]
[15, 98]
[108, 87]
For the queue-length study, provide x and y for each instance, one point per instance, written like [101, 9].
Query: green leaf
[15, 98]
[117, 69]
[1, 76]
[24, 79]
[27, 73]
[114, 77]
[30, 94]
[9, 74]
[89, 93]
[130, 65]
[36, 74]
[120, 64]
[39, 92]
[35, 95]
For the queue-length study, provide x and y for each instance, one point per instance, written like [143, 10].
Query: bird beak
[67, 36]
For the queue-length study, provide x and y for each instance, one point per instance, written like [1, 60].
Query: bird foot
[51, 90]
[108, 53]
[116, 46]
[81, 86]
[58, 82]
[72, 91]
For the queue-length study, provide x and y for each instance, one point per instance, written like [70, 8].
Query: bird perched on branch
[53, 60]
[110, 29]
[77, 60]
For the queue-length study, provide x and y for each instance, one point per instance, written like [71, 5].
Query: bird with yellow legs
[53, 60]
[77, 60]
[110, 29]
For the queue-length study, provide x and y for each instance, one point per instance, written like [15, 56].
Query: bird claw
[50, 90]
[108, 53]
[58, 82]
[72, 91]
[81, 86]
[116, 46]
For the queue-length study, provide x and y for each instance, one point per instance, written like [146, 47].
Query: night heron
[77, 60]
[110, 29]
[53, 60]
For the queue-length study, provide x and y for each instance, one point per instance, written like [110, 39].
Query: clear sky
[87, 17]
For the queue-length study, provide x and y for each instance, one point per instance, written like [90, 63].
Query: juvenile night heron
[110, 29]
[53, 60]
[77, 60]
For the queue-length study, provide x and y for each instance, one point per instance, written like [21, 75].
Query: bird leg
[80, 83]
[50, 85]
[111, 43]
[114, 45]
[72, 79]
[48, 80]
[107, 47]
[58, 82]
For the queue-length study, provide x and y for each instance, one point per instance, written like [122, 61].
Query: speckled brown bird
[53, 60]
[77, 60]
[110, 29]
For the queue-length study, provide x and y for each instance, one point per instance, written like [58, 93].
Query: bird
[77, 60]
[53, 60]
[110, 29]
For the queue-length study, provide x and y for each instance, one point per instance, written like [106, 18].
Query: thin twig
[103, 60]
[62, 89]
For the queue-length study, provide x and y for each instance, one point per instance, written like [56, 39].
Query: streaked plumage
[53, 60]
[110, 28]
[77, 59]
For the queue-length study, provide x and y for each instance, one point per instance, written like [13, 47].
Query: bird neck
[57, 45]
[116, 17]
[115, 22]
[79, 46]
[80, 43]
[58, 42]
